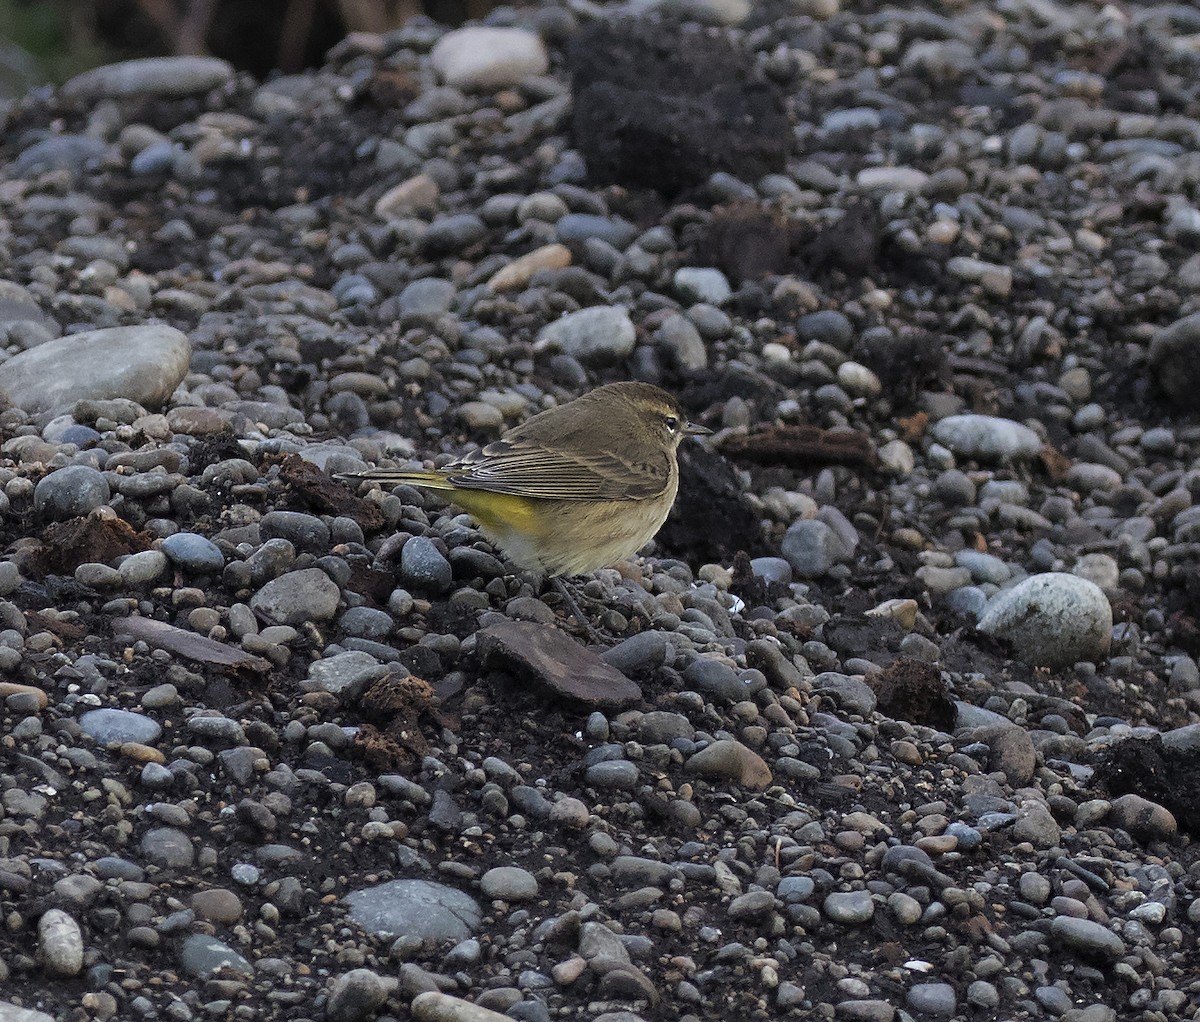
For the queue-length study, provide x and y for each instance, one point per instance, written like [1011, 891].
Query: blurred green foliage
[58, 35]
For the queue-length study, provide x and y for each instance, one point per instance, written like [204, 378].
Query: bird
[573, 489]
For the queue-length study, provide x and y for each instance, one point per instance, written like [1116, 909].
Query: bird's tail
[429, 480]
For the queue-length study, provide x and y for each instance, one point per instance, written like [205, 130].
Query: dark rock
[553, 660]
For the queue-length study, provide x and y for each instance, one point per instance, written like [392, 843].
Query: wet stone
[850, 908]
[509, 883]
[1087, 938]
[71, 492]
[106, 726]
[202, 956]
[141, 363]
[168, 847]
[60, 943]
[552, 660]
[156, 76]
[417, 908]
[298, 596]
[193, 552]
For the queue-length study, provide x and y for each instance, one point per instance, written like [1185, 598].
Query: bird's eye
[672, 423]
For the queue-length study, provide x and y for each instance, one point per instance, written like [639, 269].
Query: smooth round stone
[702, 284]
[730, 760]
[662, 727]
[582, 226]
[638, 654]
[60, 943]
[143, 568]
[850, 908]
[81, 436]
[105, 726]
[1143, 818]
[426, 298]
[618, 774]
[219, 905]
[1102, 569]
[193, 552]
[156, 777]
[987, 438]
[772, 569]
[601, 335]
[168, 847]
[905, 908]
[415, 908]
[154, 76]
[367, 622]
[142, 363]
[71, 492]
[812, 548]
[1175, 358]
[716, 680]
[1053, 620]
[357, 996]
[69, 152]
[799, 888]
[983, 567]
[934, 999]
[203, 956]
[424, 566]
[486, 57]
[968, 837]
[509, 883]
[829, 326]
[303, 531]
[157, 158]
[450, 234]
[682, 342]
[298, 596]
[1087, 938]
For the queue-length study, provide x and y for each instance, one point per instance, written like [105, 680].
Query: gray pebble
[60, 943]
[598, 336]
[423, 566]
[1087, 938]
[105, 726]
[203, 956]
[193, 552]
[417, 908]
[849, 908]
[987, 438]
[357, 995]
[71, 492]
[509, 883]
[1053, 619]
[812, 548]
[934, 999]
[702, 284]
[298, 596]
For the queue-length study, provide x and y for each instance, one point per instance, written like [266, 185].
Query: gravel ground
[899, 717]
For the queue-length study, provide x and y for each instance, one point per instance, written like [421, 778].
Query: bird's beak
[695, 429]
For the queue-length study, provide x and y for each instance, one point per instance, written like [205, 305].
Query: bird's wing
[529, 469]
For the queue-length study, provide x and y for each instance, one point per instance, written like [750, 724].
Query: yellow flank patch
[498, 512]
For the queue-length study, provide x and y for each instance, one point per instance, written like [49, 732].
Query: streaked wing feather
[531, 470]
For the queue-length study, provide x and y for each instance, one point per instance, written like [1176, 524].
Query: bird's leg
[589, 629]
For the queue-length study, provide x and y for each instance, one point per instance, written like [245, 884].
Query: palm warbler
[575, 488]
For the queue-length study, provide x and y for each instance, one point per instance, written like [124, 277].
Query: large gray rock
[987, 438]
[601, 335]
[485, 57]
[419, 908]
[1051, 620]
[142, 363]
[1175, 358]
[150, 76]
